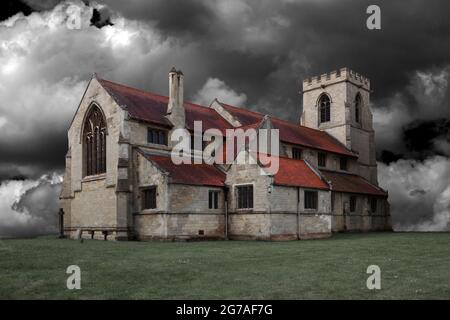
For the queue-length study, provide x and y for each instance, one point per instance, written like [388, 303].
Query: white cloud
[29, 207]
[216, 88]
[419, 193]
[45, 67]
[2, 121]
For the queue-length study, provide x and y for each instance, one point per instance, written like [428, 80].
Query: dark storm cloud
[306, 38]
[252, 52]
[12, 7]
[264, 49]
[172, 17]
[101, 17]
[420, 137]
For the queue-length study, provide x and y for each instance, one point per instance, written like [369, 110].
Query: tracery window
[94, 142]
[324, 108]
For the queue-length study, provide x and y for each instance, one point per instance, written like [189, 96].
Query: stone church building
[120, 182]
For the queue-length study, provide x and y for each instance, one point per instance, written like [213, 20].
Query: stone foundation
[98, 233]
[179, 226]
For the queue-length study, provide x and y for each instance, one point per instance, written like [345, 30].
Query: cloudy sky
[249, 53]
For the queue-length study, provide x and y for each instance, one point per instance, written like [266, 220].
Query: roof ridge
[272, 118]
[354, 174]
[150, 93]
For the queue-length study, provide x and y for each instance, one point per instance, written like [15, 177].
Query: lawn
[413, 266]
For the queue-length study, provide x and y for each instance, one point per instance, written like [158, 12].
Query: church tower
[338, 103]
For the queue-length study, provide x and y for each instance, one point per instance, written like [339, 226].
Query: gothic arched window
[358, 101]
[94, 142]
[324, 108]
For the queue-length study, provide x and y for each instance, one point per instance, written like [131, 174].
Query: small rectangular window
[373, 205]
[311, 199]
[245, 197]
[149, 198]
[343, 163]
[156, 136]
[296, 153]
[213, 201]
[322, 159]
[352, 204]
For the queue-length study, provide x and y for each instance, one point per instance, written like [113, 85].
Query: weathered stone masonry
[335, 168]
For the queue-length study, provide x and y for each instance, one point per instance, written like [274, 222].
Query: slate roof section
[192, 174]
[352, 183]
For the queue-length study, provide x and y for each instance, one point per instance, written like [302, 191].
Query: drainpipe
[298, 213]
[61, 223]
[226, 212]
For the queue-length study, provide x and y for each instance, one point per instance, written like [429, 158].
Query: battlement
[343, 74]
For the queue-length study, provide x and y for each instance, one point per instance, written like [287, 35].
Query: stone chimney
[175, 108]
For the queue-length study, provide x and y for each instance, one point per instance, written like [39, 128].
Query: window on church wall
[156, 136]
[373, 205]
[244, 197]
[358, 101]
[324, 108]
[94, 143]
[343, 163]
[352, 203]
[296, 153]
[149, 198]
[322, 159]
[213, 201]
[311, 198]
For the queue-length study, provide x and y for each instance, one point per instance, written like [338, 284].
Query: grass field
[413, 266]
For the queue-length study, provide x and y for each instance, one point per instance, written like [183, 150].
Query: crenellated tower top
[343, 74]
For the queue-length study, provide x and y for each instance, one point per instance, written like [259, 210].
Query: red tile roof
[245, 117]
[152, 108]
[352, 183]
[194, 174]
[140, 105]
[308, 137]
[291, 132]
[296, 173]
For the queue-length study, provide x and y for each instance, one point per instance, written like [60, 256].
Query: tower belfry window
[358, 108]
[324, 108]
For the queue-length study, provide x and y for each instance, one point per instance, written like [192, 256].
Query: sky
[252, 54]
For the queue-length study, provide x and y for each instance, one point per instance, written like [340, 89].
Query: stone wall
[92, 201]
[182, 210]
[362, 219]
[179, 226]
[332, 160]
[342, 89]
[278, 212]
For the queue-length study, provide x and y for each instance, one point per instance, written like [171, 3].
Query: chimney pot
[175, 107]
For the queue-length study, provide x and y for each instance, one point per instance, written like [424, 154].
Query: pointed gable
[192, 174]
[152, 108]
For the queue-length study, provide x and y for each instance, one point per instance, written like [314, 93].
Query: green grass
[413, 266]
